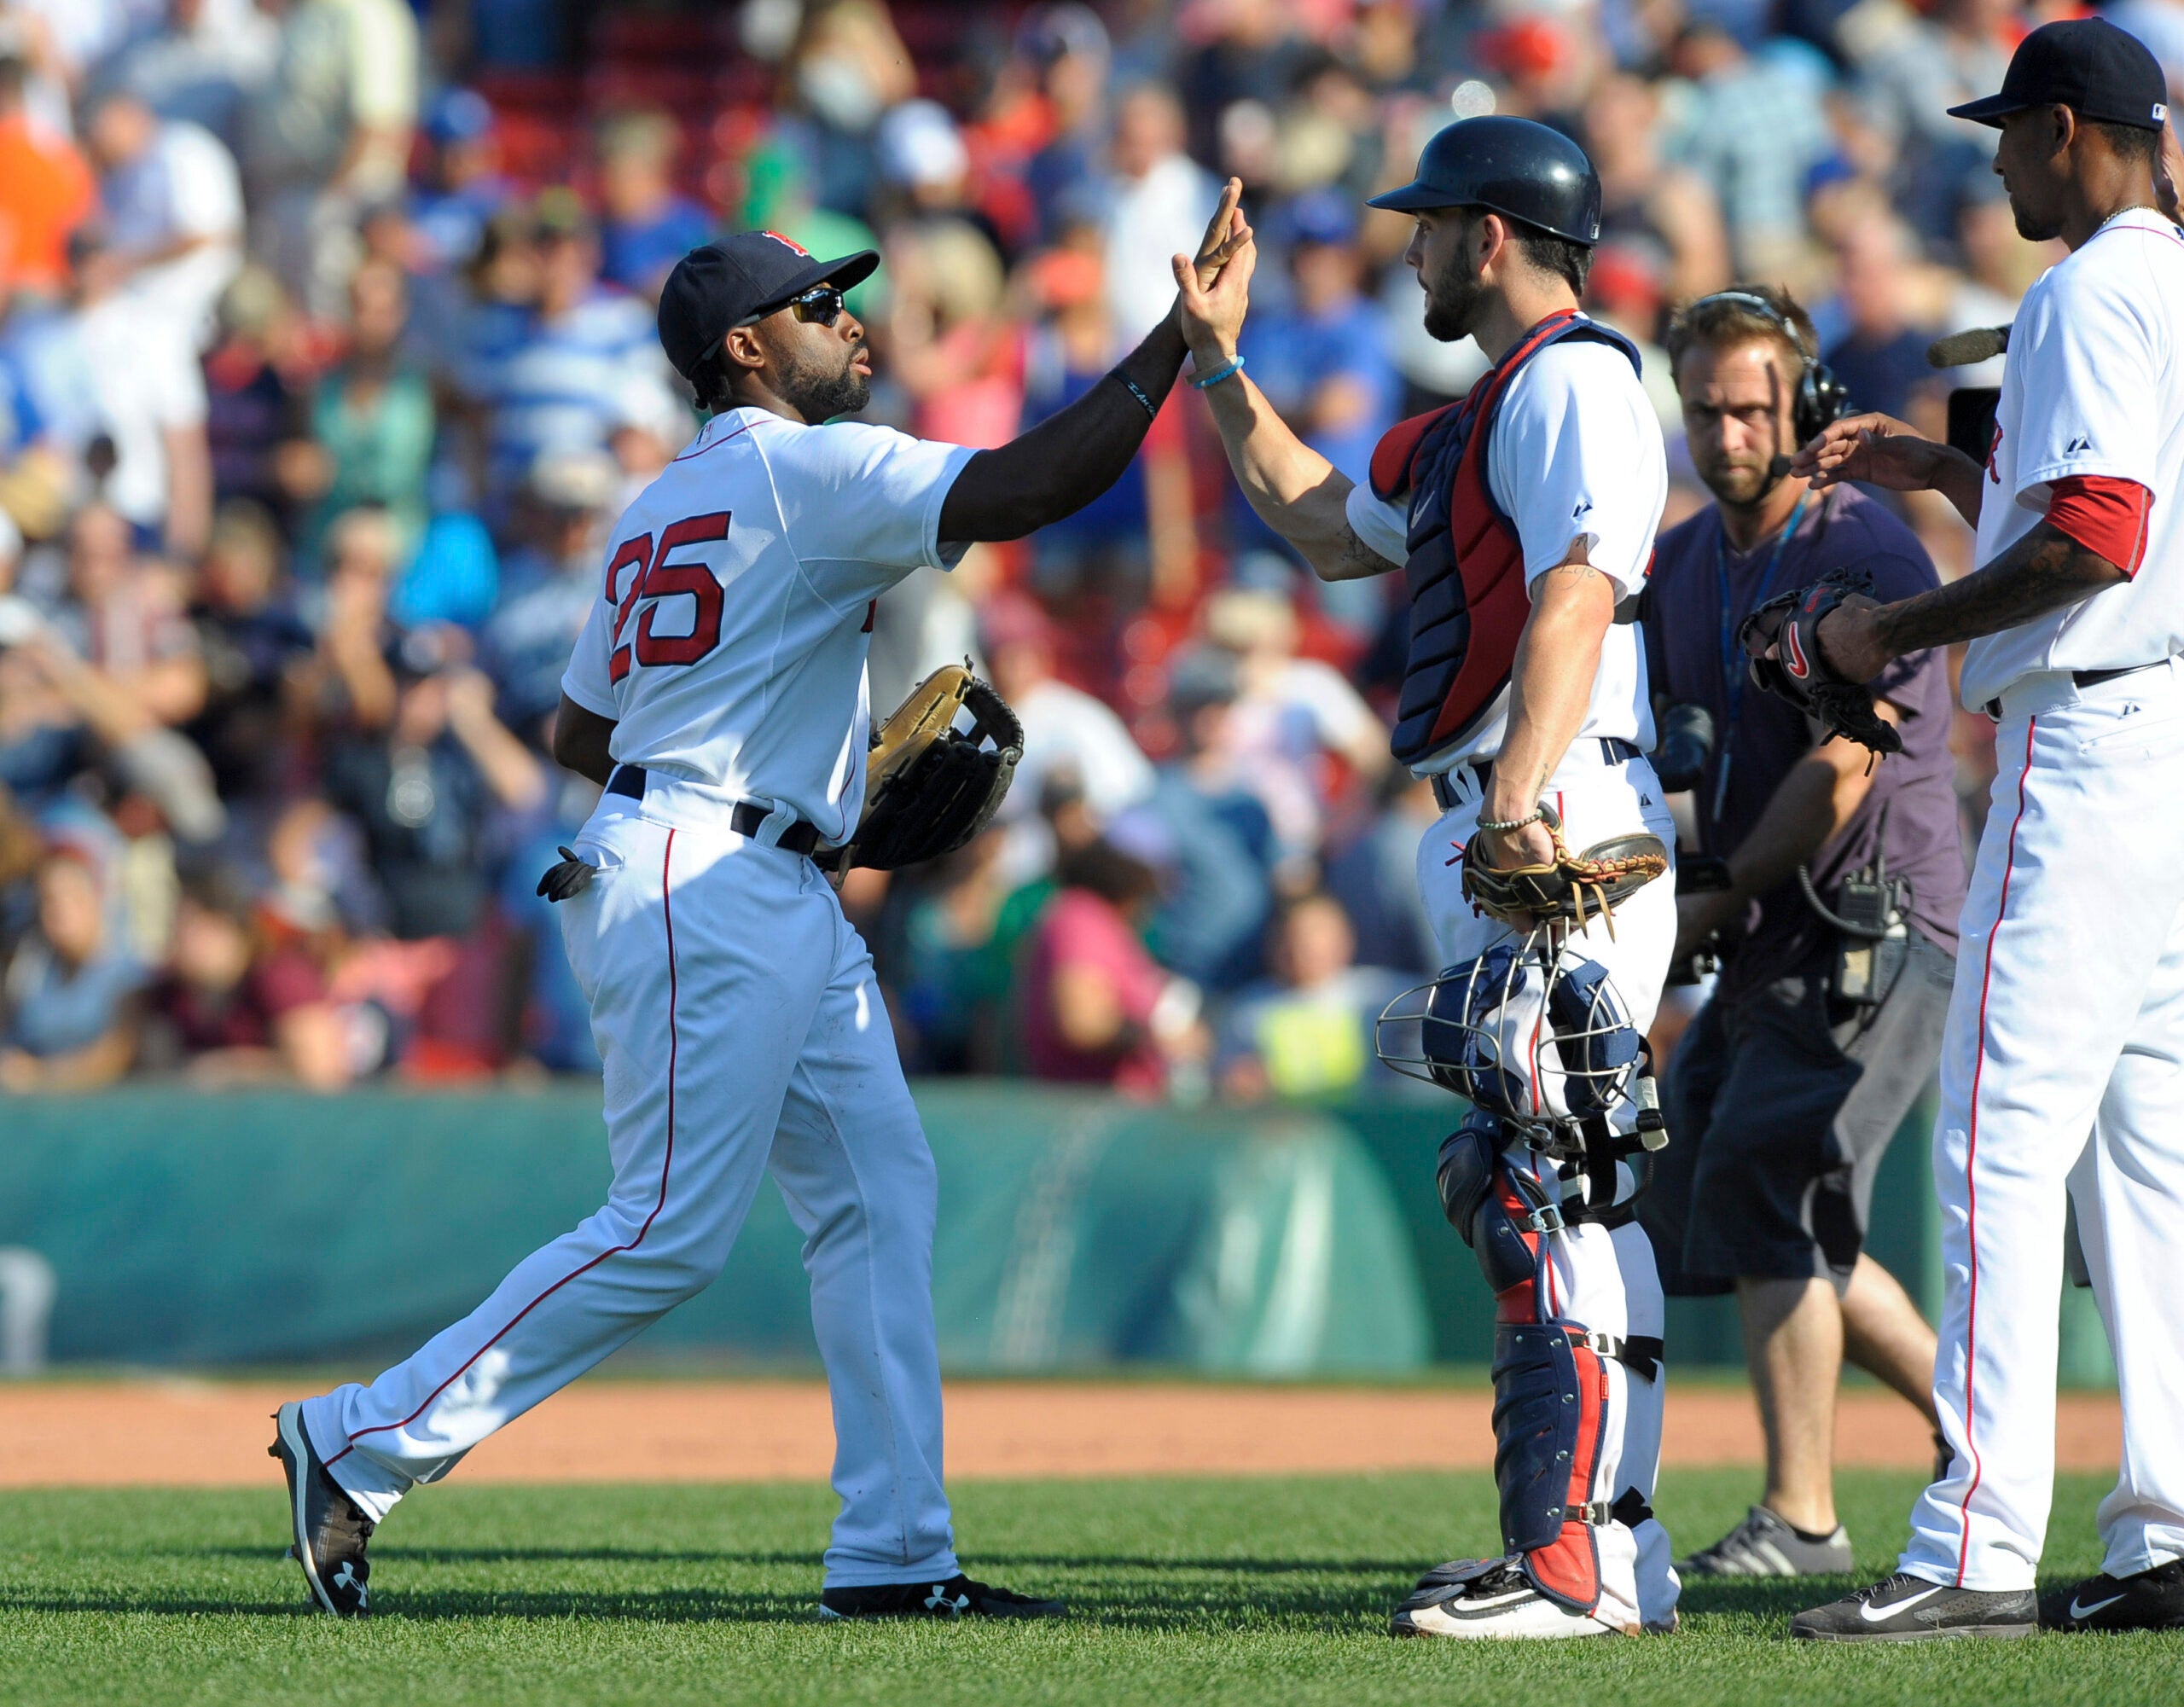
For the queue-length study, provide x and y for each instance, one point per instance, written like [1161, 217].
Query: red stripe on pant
[667, 912]
[1970, 1162]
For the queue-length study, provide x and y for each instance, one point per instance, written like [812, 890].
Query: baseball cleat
[959, 1597]
[1904, 1608]
[2146, 1600]
[1497, 1604]
[1762, 1545]
[330, 1532]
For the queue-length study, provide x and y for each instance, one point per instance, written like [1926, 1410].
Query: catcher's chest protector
[1465, 572]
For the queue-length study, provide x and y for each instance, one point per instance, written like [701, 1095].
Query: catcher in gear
[1782, 640]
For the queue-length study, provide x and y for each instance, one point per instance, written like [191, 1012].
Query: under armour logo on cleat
[956, 1604]
[347, 1578]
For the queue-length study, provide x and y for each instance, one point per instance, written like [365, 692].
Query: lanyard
[1735, 675]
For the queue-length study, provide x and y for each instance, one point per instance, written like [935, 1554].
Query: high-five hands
[1215, 289]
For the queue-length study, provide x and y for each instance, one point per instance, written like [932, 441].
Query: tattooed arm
[2043, 571]
[1550, 687]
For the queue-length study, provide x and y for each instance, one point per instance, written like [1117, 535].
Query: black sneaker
[959, 1597]
[1763, 1545]
[1904, 1608]
[330, 1532]
[2149, 1600]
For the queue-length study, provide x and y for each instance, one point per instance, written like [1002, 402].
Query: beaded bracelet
[1234, 365]
[1504, 828]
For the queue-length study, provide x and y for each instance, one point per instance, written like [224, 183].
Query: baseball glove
[1788, 624]
[930, 787]
[1575, 887]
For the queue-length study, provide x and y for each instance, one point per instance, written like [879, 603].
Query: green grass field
[1185, 1592]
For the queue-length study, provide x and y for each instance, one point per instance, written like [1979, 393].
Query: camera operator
[1836, 933]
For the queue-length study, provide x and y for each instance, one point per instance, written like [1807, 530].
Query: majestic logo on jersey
[2077, 446]
[788, 243]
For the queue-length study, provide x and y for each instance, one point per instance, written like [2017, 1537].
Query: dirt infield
[213, 1434]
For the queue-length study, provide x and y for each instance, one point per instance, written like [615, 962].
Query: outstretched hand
[1215, 289]
[1876, 449]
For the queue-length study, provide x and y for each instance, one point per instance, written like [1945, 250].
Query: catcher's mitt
[1789, 626]
[930, 787]
[1575, 887]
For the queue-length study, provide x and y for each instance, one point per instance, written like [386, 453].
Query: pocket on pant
[2156, 731]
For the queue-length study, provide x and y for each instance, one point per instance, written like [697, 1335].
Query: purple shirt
[1914, 788]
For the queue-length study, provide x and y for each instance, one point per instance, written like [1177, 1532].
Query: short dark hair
[710, 383]
[1720, 321]
[2134, 144]
[1571, 262]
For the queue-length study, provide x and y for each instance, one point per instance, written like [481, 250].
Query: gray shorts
[1779, 1113]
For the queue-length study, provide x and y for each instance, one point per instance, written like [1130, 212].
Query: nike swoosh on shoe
[2078, 1612]
[1873, 1615]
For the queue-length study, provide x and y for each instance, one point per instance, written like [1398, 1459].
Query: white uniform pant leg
[852, 1163]
[2068, 912]
[1603, 1279]
[704, 958]
[2129, 1188]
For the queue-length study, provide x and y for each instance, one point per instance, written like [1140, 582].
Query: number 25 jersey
[727, 642]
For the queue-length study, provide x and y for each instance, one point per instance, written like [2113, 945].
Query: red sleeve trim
[2103, 514]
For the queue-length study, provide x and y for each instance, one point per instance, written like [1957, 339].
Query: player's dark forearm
[1071, 457]
[2043, 571]
[581, 741]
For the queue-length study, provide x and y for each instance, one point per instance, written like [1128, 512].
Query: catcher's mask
[1530, 1030]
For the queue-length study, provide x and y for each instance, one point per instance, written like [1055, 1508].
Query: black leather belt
[1614, 750]
[800, 838]
[2085, 678]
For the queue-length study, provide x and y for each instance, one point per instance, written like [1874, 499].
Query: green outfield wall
[1076, 1231]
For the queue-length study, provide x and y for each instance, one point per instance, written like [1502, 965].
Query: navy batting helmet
[1515, 167]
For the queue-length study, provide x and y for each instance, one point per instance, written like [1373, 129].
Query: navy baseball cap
[2099, 71]
[736, 280]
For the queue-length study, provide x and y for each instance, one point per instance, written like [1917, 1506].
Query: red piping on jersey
[667, 912]
[1970, 1159]
[2107, 516]
[688, 456]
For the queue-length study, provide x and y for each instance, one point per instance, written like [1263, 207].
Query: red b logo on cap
[789, 242]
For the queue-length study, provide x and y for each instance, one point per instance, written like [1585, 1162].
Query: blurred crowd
[327, 361]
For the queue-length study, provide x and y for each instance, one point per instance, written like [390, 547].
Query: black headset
[1821, 397]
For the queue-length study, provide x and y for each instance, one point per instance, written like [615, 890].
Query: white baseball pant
[742, 1032]
[1603, 1279]
[2067, 1019]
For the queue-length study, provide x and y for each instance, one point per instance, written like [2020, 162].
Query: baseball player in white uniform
[1523, 520]
[2063, 1062]
[717, 691]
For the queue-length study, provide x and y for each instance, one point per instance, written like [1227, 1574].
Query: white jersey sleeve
[1381, 523]
[1578, 453]
[2085, 351]
[861, 505]
[2093, 386]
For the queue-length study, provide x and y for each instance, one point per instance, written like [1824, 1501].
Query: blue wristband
[1234, 365]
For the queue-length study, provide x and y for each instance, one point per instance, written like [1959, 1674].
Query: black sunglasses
[822, 305]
